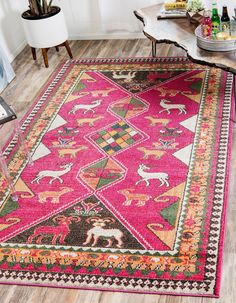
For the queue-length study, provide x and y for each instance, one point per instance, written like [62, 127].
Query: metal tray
[214, 45]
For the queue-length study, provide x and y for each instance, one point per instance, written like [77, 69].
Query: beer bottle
[215, 18]
[225, 21]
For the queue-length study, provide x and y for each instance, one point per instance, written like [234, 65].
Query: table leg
[154, 48]
[22, 142]
[33, 53]
[234, 92]
[7, 176]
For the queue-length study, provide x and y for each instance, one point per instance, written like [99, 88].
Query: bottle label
[225, 27]
[215, 27]
[206, 30]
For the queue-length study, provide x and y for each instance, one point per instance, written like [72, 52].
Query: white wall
[12, 38]
[101, 19]
[86, 19]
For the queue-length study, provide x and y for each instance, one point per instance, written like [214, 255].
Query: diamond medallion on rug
[128, 187]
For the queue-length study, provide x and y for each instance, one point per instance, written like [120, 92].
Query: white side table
[6, 115]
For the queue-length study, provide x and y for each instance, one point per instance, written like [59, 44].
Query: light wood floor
[30, 76]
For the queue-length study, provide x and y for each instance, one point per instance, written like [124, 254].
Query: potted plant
[195, 11]
[45, 27]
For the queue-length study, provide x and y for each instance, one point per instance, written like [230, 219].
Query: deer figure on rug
[59, 232]
[53, 174]
[167, 107]
[86, 107]
[99, 232]
[127, 77]
[146, 176]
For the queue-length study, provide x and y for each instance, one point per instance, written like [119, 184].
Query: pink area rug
[129, 185]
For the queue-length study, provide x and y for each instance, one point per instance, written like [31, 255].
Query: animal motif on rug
[58, 232]
[131, 196]
[72, 152]
[97, 93]
[137, 81]
[98, 231]
[86, 107]
[146, 176]
[154, 121]
[156, 154]
[168, 106]
[127, 77]
[53, 174]
[53, 196]
[164, 91]
[89, 121]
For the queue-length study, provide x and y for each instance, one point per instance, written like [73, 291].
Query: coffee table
[181, 33]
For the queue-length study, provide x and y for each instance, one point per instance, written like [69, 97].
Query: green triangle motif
[170, 213]
[197, 86]
[102, 182]
[102, 173]
[128, 107]
[109, 174]
[79, 86]
[120, 112]
[9, 207]
[100, 164]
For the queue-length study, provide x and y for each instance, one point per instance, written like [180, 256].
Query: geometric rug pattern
[128, 187]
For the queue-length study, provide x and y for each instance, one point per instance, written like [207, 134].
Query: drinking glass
[233, 28]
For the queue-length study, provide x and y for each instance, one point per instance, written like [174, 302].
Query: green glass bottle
[215, 18]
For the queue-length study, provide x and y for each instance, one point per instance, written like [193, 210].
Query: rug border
[226, 193]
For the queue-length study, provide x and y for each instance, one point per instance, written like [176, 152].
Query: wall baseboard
[12, 55]
[20, 47]
[107, 36]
